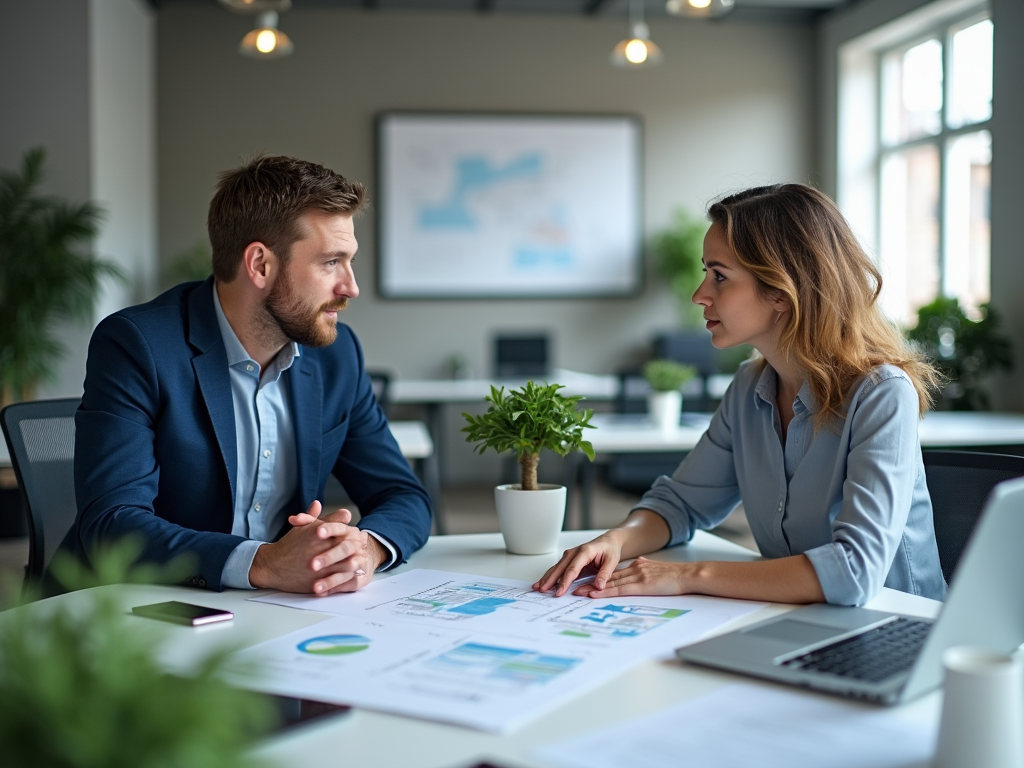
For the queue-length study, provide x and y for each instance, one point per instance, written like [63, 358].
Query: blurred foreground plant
[80, 686]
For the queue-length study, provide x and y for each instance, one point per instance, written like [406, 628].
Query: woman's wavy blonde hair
[797, 244]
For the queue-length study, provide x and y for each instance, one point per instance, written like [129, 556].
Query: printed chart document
[746, 725]
[480, 651]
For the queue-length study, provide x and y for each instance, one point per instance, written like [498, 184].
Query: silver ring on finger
[359, 572]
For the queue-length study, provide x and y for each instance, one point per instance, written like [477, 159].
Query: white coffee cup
[982, 722]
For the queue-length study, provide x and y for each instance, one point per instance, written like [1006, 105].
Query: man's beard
[298, 321]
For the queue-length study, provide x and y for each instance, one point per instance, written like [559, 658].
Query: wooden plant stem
[528, 471]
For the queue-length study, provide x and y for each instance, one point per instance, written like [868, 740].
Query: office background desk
[433, 394]
[635, 433]
[372, 739]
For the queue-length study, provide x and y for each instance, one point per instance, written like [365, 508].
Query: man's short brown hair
[263, 200]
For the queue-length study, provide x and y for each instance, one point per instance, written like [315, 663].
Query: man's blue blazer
[155, 446]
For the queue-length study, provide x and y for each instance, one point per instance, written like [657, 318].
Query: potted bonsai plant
[665, 401]
[46, 273]
[524, 421]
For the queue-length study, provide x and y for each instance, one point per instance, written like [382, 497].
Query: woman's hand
[641, 577]
[642, 532]
[603, 554]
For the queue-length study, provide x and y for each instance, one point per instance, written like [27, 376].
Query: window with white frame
[914, 166]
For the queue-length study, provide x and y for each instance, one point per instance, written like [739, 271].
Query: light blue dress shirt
[852, 499]
[267, 470]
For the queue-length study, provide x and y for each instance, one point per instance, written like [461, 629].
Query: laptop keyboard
[874, 656]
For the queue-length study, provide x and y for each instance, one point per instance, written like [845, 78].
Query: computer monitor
[516, 357]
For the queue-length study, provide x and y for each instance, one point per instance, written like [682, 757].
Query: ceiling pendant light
[256, 6]
[637, 50]
[266, 41]
[699, 9]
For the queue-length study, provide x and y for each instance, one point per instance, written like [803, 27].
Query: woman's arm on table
[781, 580]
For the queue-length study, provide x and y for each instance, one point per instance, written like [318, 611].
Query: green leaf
[47, 273]
[528, 420]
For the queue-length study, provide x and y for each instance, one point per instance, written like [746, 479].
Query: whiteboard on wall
[508, 206]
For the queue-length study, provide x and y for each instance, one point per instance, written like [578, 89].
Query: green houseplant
[525, 421]
[46, 273]
[665, 400]
[83, 688]
[678, 251]
[964, 350]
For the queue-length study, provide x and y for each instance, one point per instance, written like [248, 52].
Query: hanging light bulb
[700, 9]
[637, 50]
[266, 41]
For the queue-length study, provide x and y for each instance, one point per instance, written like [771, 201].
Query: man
[213, 414]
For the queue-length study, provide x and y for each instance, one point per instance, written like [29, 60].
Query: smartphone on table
[183, 613]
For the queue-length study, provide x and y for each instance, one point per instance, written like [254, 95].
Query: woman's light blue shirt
[854, 500]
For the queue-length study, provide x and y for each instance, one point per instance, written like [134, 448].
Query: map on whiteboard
[508, 206]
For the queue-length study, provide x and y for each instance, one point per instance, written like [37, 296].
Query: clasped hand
[321, 554]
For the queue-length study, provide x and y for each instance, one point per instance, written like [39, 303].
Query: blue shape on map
[481, 606]
[474, 173]
[532, 257]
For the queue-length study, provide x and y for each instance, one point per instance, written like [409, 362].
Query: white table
[413, 440]
[635, 433]
[371, 739]
[412, 437]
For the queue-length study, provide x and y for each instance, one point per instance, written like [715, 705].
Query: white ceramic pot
[664, 409]
[530, 520]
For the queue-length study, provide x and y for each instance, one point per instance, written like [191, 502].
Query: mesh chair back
[380, 381]
[959, 483]
[41, 438]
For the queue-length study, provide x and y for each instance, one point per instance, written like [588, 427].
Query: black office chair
[381, 383]
[959, 483]
[41, 438]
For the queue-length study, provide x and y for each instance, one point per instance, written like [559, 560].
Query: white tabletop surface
[370, 739]
[470, 390]
[413, 440]
[630, 433]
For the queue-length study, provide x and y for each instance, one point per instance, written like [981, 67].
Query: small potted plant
[665, 400]
[524, 421]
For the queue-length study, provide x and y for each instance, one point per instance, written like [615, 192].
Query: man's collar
[233, 347]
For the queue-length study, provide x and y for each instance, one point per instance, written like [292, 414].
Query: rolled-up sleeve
[703, 490]
[882, 466]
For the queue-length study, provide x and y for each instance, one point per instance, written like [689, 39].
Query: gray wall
[731, 107]
[1007, 152]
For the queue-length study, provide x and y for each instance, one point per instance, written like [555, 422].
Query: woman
[817, 436]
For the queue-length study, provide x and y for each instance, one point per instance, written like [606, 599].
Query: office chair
[41, 438]
[381, 383]
[959, 483]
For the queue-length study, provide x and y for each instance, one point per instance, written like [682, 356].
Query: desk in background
[372, 739]
[617, 434]
[413, 440]
[432, 394]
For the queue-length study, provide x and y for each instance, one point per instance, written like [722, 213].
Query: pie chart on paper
[334, 645]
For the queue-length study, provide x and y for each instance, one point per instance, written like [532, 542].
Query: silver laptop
[886, 657]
